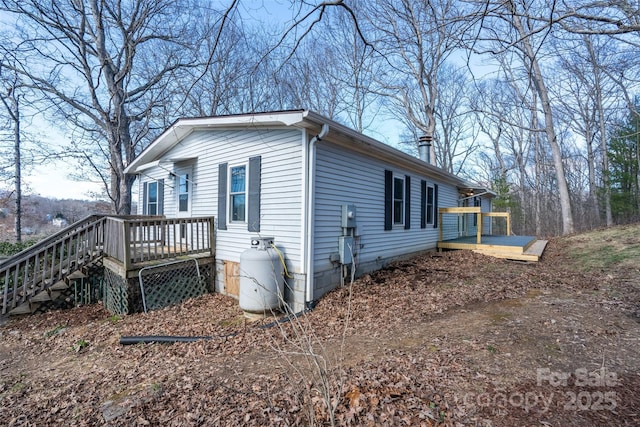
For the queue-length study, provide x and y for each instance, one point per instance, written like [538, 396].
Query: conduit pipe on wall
[310, 202]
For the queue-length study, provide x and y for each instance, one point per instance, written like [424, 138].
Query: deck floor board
[525, 248]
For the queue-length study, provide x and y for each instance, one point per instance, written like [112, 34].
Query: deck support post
[212, 236]
[479, 222]
[126, 242]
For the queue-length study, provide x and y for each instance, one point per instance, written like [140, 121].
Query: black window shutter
[145, 198]
[423, 204]
[435, 206]
[222, 196]
[160, 210]
[253, 215]
[407, 207]
[388, 200]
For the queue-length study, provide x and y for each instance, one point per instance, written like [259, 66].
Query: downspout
[310, 204]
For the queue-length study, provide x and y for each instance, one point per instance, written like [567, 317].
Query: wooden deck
[124, 243]
[522, 248]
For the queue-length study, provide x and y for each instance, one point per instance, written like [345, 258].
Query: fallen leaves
[388, 370]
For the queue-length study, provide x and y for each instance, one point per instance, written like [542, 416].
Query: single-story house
[332, 198]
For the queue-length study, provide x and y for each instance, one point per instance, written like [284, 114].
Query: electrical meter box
[348, 216]
[346, 249]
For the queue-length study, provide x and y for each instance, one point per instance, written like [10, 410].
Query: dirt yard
[455, 339]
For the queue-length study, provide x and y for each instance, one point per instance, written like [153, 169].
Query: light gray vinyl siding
[281, 185]
[344, 177]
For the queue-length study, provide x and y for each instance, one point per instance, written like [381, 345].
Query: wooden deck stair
[531, 252]
[46, 270]
[40, 273]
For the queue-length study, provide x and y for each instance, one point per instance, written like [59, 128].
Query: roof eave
[386, 151]
[181, 128]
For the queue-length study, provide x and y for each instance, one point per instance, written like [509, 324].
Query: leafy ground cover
[443, 339]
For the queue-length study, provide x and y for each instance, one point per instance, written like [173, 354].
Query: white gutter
[310, 202]
[475, 195]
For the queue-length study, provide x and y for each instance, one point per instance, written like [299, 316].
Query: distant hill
[42, 216]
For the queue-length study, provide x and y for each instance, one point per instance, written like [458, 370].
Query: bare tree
[508, 26]
[589, 101]
[415, 39]
[455, 130]
[107, 67]
[604, 17]
[10, 97]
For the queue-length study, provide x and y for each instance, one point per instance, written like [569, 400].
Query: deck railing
[48, 261]
[467, 220]
[127, 239]
[132, 241]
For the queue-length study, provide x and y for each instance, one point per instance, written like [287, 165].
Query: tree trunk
[593, 194]
[541, 89]
[18, 166]
[603, 134]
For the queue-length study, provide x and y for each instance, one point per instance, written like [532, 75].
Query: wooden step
[532, 254]
[25, 308]
[507, 255]
[77, 275]
[59, 286]
[537, 248]
[46, 296]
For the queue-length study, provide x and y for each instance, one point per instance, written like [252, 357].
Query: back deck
[474, 223]
[111, 258]
[522, 248]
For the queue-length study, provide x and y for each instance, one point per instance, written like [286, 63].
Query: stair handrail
[38, 246]
[20, 266]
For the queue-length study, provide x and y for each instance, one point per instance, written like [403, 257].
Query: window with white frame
[238, 193]
[398, 200]
[151, 202]
[183, 193]
[429, 205]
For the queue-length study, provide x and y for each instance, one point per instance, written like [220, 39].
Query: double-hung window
[429, 205]
[238, 193]
[183, 193]
[152, 198]
[398, 200]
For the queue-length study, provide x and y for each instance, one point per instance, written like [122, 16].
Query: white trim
[146, 193]
[311, 208]
[230, 220]
[404, 200]
[148, 166]
[189, 192]
[181, 128]
[304, 211]
[426, 205]
[301, 119]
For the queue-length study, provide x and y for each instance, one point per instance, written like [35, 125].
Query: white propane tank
[261, 277]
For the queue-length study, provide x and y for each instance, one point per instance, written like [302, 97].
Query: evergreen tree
[624, 169]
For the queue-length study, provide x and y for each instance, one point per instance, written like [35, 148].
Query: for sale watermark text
[584, 391]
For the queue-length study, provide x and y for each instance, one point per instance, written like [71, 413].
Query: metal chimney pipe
[424, 148]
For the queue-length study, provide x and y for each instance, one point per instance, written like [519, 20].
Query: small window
[152, 198]
[238, 193]
[398, 201]
[429, 205]
[183, 193]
